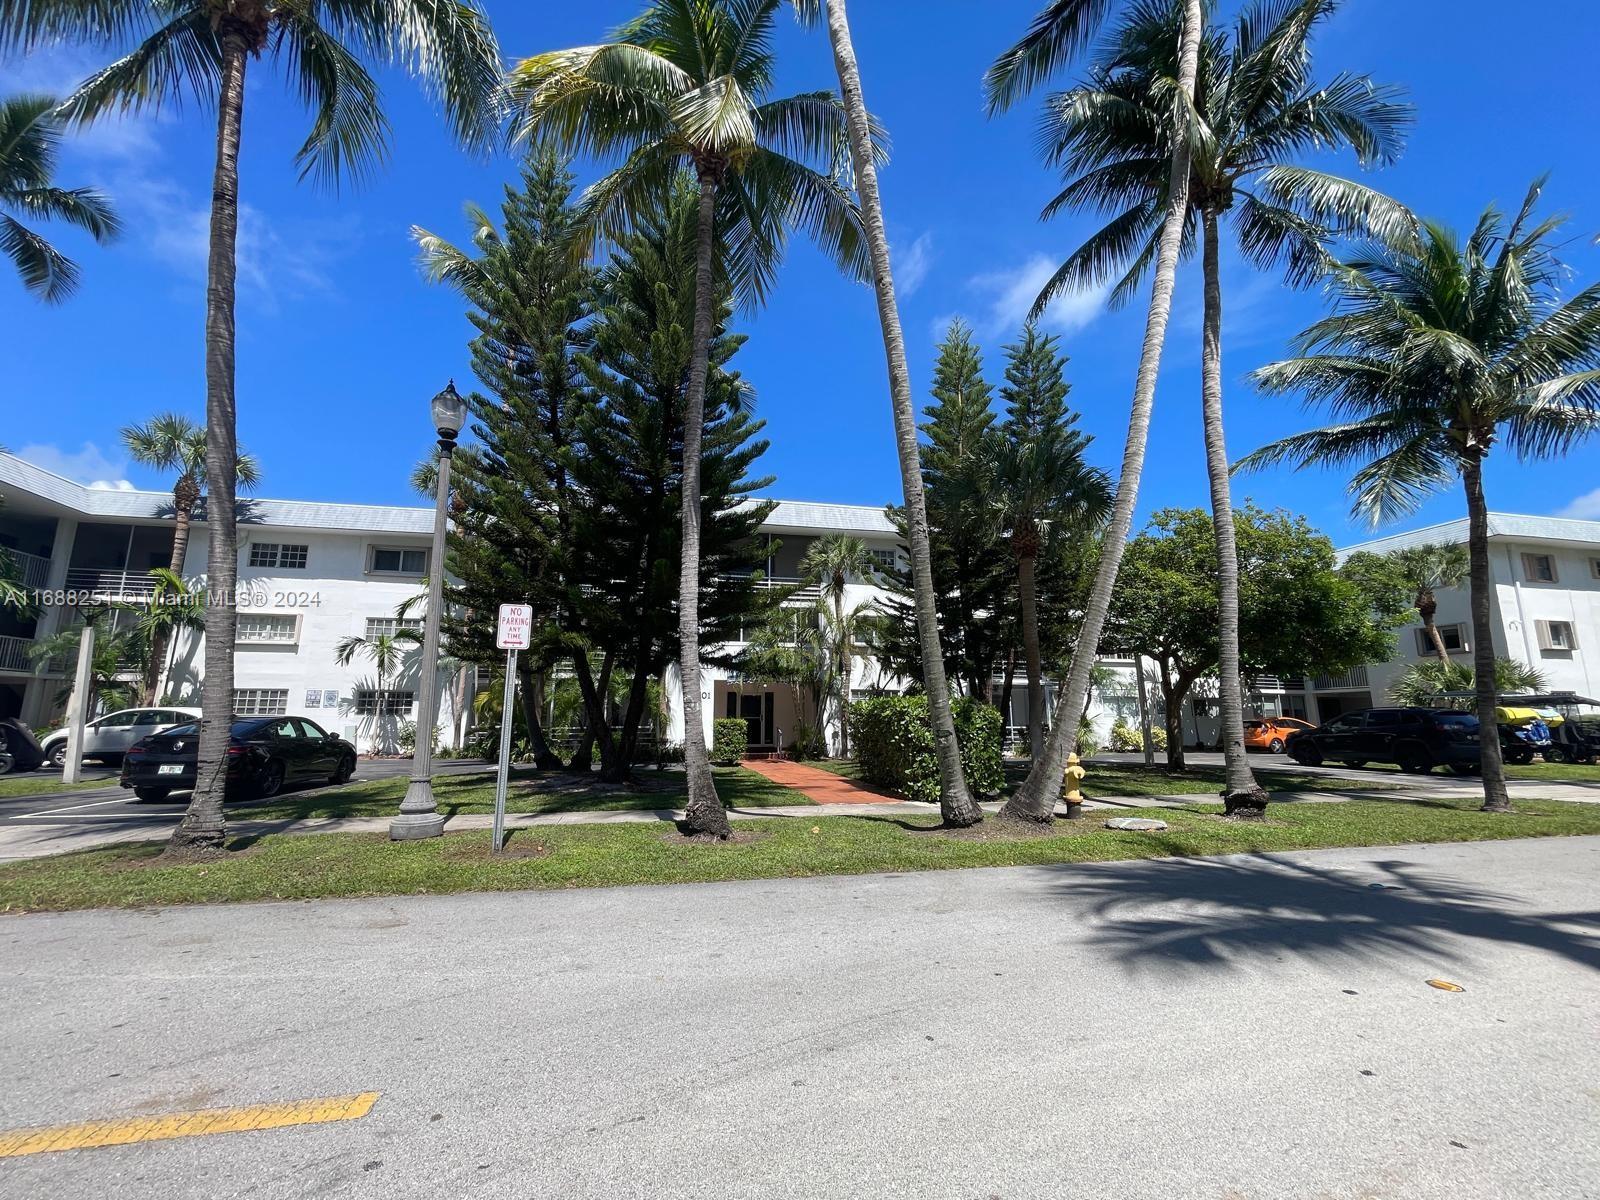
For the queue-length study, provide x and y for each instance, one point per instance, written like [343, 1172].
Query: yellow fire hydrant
[1071, 783]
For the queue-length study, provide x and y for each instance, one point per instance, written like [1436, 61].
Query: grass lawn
[528, 791]
[36, 783]
[289, 866]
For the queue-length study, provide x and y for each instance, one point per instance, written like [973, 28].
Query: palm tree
[832, 561]
[955, 802]
[1436, 350]
[1257, 109]
[684, 86]
[113, 650]
[1426, 569]
[387, 652]
[172, 606]
[1058, 33]
[1426, 684]
[205, 47]
[30, 134]
[171, 442]
[1041, 486]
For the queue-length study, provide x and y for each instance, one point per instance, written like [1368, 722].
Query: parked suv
[1415, 739]
[109, 737]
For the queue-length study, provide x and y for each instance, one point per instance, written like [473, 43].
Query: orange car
[1270, 733]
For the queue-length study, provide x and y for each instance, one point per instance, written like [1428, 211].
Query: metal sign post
[513, 632]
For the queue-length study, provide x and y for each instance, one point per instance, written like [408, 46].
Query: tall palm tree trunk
[183, 501]
[202, 827]
[703, 814]
[955, 802]
[1027, 590]
[1242, 797]
[1035, 799]
[1427, 606]
[842, 650]
[1495, 797]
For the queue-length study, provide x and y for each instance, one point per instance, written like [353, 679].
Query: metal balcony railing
[1356, 677]
[111, 585]
[16, 656]
[32, 570]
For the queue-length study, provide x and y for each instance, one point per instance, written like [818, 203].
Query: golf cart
[1573, 720]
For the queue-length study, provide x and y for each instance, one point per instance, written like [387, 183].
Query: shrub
[730, 738]
[894, 745]
[1125, 738]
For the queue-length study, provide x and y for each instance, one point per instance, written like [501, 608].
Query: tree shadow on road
[1227, 914]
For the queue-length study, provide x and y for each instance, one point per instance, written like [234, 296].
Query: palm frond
[1058, 33]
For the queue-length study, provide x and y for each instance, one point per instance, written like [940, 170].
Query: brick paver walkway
[824, 787]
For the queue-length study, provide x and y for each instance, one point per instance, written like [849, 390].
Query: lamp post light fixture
[419, 816]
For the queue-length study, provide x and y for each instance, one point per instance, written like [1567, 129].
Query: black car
[264, 753]
[1415, 739]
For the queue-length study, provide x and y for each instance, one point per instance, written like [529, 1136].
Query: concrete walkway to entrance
[823, 787]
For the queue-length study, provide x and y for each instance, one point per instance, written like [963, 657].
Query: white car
[108, 738]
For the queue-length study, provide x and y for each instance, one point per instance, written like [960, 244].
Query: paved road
[1219, 1029]
[61, 821]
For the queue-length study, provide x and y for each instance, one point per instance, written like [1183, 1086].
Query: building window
[886, 560]
[1594, 564]
[394, 703]
[389, 626]
[282, 555]
[273, 628]
[260, 702]
[396, 560]
[1556, 635]
[1540, 568]
[1453, 636]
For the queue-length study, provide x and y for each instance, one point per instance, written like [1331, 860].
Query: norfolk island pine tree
[683, 85]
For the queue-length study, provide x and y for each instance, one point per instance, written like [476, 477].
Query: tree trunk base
[196, 845]
[1021, 809]
[1496, 806]
[548, 762]
[704, 815]
[1249, 805]
[615, 773]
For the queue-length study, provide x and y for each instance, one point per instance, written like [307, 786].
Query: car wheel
[345, 769]
[1275, 745]
[1519, 758]
[1414, 760]
[1555, 755]
[56, 756]
[1463, 769]
[7, 763]
[1357, 763]
[270, 781]
[1307, 756]
[154, 795]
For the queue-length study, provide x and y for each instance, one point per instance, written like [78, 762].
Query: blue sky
[341, 342]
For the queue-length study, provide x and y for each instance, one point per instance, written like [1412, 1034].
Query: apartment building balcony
[16, 656]
[803, 593]
[110, 584]
[33, 569]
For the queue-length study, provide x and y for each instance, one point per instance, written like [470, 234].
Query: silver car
[109, 737]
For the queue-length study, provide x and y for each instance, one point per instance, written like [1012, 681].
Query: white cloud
[911, 267]
[1584, 508]
[1010, 295]
[90, 465]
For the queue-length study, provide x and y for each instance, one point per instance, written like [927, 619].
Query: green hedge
[730, 738]
[894, 745]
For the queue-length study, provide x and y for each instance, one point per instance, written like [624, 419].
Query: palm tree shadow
[1227, 914]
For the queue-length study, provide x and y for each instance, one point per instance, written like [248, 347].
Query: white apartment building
[1545, 607]
[309, 575]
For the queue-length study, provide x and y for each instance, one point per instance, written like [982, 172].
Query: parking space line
[49, 812]
[200, 1122]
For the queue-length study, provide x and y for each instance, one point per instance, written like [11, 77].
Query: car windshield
[241, 729]
[1455, 720]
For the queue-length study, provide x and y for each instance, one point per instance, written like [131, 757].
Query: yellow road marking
[196, 1123]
